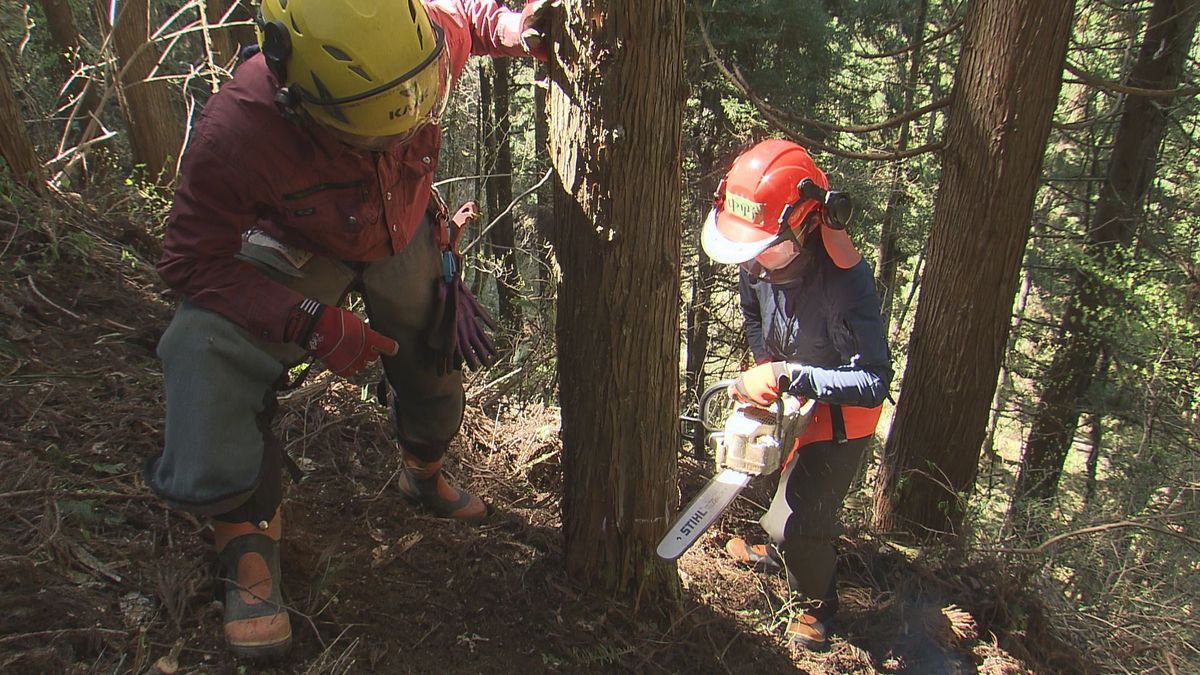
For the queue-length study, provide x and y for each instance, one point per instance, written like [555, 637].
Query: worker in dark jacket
[306, 177]
[814, 327]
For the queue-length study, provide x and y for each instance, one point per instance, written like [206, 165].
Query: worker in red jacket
[814, 327]
[306, 177]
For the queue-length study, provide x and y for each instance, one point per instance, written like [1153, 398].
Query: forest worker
[813, 323]
[307, 176]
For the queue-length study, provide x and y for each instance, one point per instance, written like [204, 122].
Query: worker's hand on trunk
[536, 19]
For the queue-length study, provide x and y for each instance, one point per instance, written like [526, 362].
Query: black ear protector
[276, 47]
[839, 208]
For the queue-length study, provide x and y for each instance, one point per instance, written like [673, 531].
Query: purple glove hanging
[440, 336]
[457, 332]
[473, 345]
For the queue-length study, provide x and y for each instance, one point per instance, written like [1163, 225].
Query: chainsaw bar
[701, 512]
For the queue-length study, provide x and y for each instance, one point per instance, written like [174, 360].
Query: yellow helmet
[364, 67]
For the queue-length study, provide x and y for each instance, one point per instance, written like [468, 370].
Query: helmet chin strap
[287, 100]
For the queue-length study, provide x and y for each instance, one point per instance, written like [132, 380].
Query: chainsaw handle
[719, 387]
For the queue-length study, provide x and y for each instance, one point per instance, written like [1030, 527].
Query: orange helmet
[772, 186]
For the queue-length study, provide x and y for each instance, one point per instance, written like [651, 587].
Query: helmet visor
[726, 240]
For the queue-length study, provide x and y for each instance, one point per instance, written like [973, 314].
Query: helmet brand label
[743, 208]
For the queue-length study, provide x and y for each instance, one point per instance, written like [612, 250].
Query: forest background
[1048, 299]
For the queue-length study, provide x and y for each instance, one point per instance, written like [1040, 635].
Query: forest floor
[97, 576]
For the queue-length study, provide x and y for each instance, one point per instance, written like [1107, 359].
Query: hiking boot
[422, 483]
[256, 622]
[761, 556]
[807, 631]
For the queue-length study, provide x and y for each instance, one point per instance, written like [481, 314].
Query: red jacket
[246, 166]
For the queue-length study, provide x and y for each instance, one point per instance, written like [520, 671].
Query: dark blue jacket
[826, 319]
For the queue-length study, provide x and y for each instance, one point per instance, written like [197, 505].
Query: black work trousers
[803, 521]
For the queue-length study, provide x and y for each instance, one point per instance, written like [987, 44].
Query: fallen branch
[51, 634]
[50, 302]
[1094, 529]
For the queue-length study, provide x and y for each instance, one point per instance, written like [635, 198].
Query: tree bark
[544, 215]
[15, 146]
[1006, 87]
[1170, 28]
[615, 108]
[155, 134]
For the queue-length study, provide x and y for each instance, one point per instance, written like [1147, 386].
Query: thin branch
[878, 126]
[783, 121]
[954, 25]
[79, 148]
[1110, 85]
[505, 212]
[115, 79]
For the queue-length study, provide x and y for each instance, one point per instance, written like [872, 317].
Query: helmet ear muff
[837, 207]
[276, 46]
[839, 210]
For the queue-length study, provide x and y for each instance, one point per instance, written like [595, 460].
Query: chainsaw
[752, 442]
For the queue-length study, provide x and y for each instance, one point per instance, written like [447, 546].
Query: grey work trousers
[220, 457]
[803, 520]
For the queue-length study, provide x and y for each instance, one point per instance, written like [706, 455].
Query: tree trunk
[82, 90]
[888, 253]
[155, 134]
[1170, 28]
[706, 271]
[544, 215]
[15, 146]
[486, 154]
[60, 21]
[221, 40]
[1006, 86]
[615, 109]
[502, 237]
[1000, 398]
[1096, 438]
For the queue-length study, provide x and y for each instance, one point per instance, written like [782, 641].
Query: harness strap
[838, 422]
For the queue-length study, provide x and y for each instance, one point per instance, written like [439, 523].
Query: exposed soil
[96, 575]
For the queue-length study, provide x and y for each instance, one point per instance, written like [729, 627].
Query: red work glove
[761, 384]
[535, 27]
[337, 337]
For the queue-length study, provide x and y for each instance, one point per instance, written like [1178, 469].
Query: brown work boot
[423, 483]
[256, 622]
[759, 555]
[807, 631]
